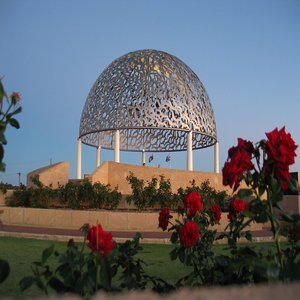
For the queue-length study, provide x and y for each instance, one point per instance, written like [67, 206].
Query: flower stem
[275, 233]
[97, 269]
[6, 113]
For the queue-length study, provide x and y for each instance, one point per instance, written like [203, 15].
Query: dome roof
[154, 99]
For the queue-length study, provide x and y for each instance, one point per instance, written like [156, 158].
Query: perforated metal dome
[154, 99]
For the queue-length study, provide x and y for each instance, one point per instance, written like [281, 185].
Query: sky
[246, 53]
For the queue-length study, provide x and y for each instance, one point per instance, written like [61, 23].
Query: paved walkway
[66, 234]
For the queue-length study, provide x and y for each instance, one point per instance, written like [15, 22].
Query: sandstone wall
[115, 174]
[74, 219]
[52, 175]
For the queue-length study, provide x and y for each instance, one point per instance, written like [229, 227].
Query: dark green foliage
[75, 194]
[4, 270]
[209, 194]
[39, 197]
[157, 193]
[69, 194]
[9, 107]
[83, 272]
[153, 194]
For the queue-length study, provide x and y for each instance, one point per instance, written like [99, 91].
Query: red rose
[239, 163]
[280, 147]
[99, 240]
[281, 153]
[189, 234]
[193, 203]
[216, 212]
[242, 145]
[238, 205]
[163, 219]
[231, 175]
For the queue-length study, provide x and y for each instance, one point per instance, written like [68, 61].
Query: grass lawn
[21, 252]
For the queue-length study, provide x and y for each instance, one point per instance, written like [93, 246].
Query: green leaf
[2, 167]
[292, 185]
[46, 253]
[105, 274]
[17, 111]
[2, 92]
[286, 217]
[174, 237]
[248, 236]
[57, 285]
[295, 217]
[181, 255]
[13, 122]
[41, 285]
[173, 254]
[26, 282]
[244, 193]
[2, 138]
[4, 270]
[1, 152]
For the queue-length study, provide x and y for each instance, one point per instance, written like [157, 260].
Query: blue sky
[246, 53]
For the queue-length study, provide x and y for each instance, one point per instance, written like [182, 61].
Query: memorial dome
[154, 100]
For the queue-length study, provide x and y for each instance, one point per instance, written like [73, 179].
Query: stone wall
[52, 175]
[115, 174]
[74, 219]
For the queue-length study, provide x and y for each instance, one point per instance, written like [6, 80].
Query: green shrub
[164, 196]
[75, 194]
[158, 193]
[138, 196]
[208, 194]
[151, 194]
[104, 197]
[39, 197]
[69, 194]
[19, 198]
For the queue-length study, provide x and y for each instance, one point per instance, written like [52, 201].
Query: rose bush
[84, 272]
[263, 168]
[8, 110]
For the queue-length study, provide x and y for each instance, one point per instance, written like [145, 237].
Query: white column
[98, 156]
[143, 157]
[117, 145]
[217, 159]
[189, 160]
[79, 158]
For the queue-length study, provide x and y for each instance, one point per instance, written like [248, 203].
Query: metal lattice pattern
[154, 99]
